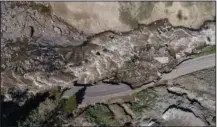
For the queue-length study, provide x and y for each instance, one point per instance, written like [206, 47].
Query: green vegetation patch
[145, 99]
[70, 105]
[101, 115]
[206, 51]
[57, 94]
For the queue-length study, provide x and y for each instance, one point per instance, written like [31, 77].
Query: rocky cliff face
[45, 60]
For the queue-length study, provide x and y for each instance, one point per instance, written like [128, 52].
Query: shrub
[206, 51]
[100, 115]
[146, 99]
[57, 94]
[70, 104]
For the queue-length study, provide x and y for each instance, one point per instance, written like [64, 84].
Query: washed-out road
[102, 92]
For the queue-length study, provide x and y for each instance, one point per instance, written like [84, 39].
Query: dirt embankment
[96, 17]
